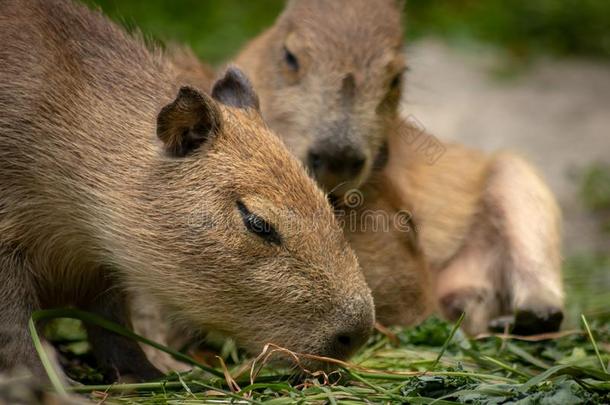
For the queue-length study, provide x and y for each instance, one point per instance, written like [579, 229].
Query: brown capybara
[113, 177]
[329, 76]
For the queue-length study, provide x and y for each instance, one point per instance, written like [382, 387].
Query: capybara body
[489, 229]
[114, 177]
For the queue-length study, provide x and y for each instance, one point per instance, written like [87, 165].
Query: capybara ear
[187, 122]
[235, 90]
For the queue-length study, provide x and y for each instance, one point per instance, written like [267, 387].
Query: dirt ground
[556, 113]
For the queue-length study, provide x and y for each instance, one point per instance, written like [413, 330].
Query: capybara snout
[336, 330]
[334, 166]
[354, 328]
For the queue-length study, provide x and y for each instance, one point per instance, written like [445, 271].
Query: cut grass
[431, 363]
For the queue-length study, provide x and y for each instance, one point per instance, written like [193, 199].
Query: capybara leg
[529, 222]
[467, 283]
[18, 300]
[119, 358]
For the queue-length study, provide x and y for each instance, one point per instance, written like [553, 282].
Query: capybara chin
[113, 177]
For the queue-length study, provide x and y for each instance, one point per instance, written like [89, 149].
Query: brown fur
[488, 225]
[386, 240]
[93, 204]
[489, 228]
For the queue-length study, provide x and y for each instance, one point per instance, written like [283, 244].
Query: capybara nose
[352, 332]
[332, 166]
[346, 343]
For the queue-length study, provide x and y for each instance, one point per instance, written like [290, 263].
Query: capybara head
[329, 73]
[254, 248]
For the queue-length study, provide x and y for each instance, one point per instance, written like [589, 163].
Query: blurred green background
[217, 28]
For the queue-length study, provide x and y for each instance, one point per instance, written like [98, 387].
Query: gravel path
[556, 113]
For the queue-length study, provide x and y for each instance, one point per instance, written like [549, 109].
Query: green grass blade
[513, 348]
[44, 358]
[506, 366]
[455, 328]
[594, 343]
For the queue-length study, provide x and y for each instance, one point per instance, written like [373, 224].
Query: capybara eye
[291, 60]
[258, 225]
[396, 81]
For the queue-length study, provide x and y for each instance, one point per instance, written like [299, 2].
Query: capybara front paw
[531, 322]
[477, 304]
[502, 324]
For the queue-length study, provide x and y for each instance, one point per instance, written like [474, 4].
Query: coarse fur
[488, 224]
[114, 177]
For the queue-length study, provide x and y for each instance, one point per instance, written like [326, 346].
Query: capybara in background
[329, 77]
